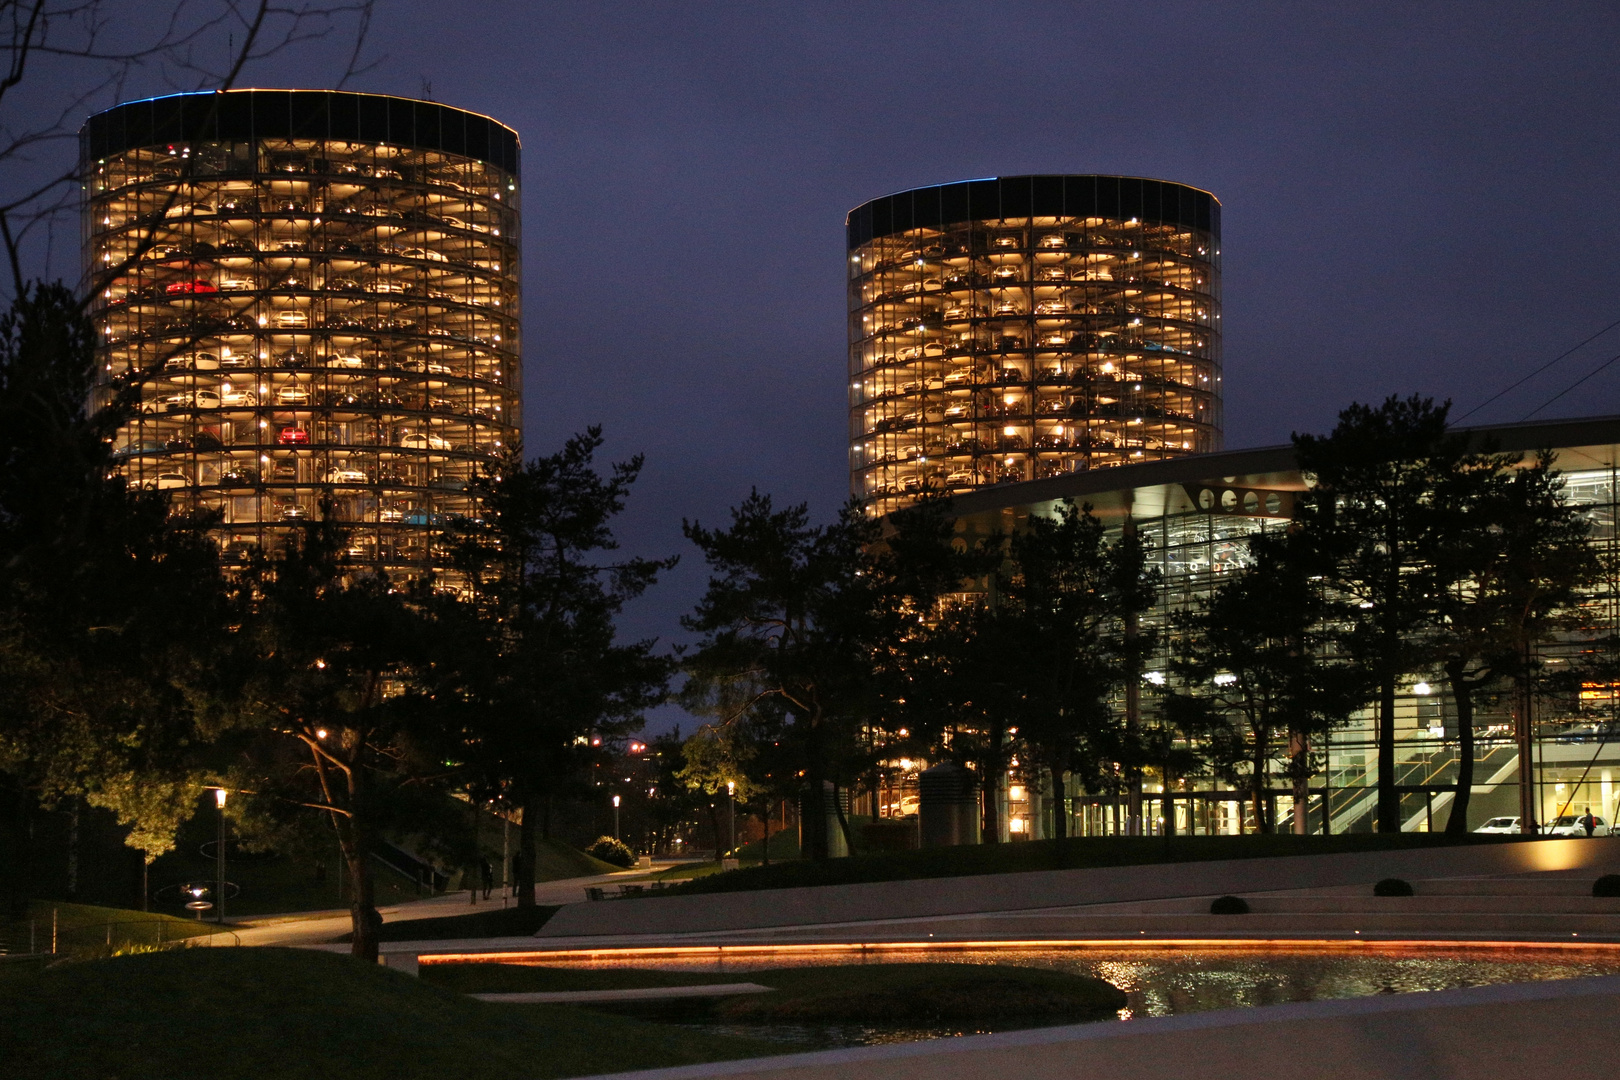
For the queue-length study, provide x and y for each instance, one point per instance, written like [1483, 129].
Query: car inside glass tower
[1025, 327]
[316, 295]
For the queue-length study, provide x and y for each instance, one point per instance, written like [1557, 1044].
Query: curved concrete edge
[1561, 1027]
[651, 993]
[918, 898]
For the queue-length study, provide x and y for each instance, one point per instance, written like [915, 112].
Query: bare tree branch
[102, 48]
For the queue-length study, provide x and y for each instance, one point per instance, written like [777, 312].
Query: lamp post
[731, 816]
[615, 817]
[219, 859]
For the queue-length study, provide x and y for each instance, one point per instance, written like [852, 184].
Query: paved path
[309, 928]
[986, 894]
[1546, 910]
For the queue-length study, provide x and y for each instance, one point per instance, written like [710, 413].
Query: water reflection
[1166, 982]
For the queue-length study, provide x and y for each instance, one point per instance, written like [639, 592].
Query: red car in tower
[195, 285]
[293, 436]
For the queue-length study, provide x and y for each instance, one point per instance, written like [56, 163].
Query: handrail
[42, 939]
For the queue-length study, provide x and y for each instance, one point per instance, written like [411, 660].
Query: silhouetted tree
[1371, 516]
[548, 591]
[1257, 678]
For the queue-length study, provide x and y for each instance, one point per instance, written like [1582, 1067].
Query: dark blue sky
[1417, 198]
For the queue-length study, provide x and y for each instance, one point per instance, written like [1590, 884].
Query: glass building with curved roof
[316, 293]
[1021, 328]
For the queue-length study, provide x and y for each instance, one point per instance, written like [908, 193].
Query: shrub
[1393, 886]
[1229, 905]
[1607, 885]
[610, 849]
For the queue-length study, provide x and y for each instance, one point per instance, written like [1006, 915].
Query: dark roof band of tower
[252, 115]
[1159, 202]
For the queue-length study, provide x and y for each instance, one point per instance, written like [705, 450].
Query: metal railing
[50, 935]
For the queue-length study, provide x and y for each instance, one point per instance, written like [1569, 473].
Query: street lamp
[615, 817]
[219, 859]
[731, 816]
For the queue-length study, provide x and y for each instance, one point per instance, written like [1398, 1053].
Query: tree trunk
[1257, 796]
[1389, 800]
[1169, 801]
[843, 821]
[813, 815]
[995, 774]
[528, 847]
[364, 923]
[1133, 708]
[73, 849]
[765, 833]
[1528, 823]
[991, 832]
[1299, 750]
[476, 864]
[1462, 695]
[1060, 804]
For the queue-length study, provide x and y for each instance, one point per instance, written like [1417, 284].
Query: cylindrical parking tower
[317, 293]
[1023, 327]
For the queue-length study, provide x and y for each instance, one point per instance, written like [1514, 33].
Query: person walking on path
[487, 873]
[517, 868]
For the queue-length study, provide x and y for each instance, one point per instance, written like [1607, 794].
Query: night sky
[1417, 198]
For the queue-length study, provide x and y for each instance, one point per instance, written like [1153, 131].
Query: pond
[1171, 981]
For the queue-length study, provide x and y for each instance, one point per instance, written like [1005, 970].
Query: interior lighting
[1422, 689]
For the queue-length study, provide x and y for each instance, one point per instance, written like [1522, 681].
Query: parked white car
[1500, 825]
[1575, 825]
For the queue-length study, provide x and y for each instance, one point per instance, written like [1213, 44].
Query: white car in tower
[168, 481]
[423, 440]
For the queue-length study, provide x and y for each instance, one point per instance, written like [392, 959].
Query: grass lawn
[281, 1014]
[877, 994]
[1071, 854]
[87, 928]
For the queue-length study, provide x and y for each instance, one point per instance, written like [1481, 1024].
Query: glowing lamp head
[219, 797]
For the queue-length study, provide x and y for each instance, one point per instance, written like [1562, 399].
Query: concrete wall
[1555, 1029]
[1062, 888]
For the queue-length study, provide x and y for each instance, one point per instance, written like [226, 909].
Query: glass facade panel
[307, 318]
[1574, 719]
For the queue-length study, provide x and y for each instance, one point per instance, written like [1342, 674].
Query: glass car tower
[317, 296]
[1024, 327]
